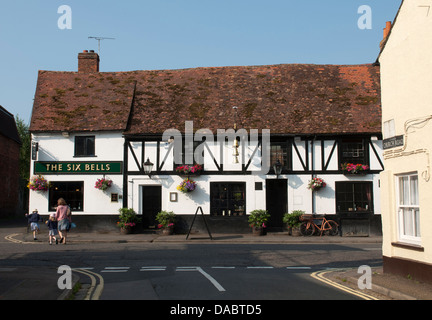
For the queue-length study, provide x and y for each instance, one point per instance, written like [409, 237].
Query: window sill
[89, 156]
[406, 245]
[227, 216]
[355, 214]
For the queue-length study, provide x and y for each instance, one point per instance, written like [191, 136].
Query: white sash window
[408, 208]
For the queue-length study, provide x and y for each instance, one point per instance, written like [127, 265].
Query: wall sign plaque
[393, 142]
[99, 167]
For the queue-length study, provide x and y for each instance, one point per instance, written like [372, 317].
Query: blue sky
[176, 34]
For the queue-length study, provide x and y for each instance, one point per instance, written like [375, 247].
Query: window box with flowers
[316, 184]
[38, 183]
[103, 184]
[352, 168]
[187, 170]
[187, 185]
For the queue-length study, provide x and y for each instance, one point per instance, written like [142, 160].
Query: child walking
[33, 219]
[53, 228]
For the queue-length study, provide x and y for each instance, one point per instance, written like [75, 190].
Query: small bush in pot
[257, 220]
[128, 219]
[293, 221]
[166, 220]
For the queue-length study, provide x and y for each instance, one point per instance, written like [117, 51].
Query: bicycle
[313, 223]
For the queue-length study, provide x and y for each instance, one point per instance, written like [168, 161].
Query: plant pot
[187, 175]
[126, 230]
[258, 231]
[295, 232]
[358, 173]
[167, 231]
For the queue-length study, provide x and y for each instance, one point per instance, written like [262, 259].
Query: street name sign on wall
[102, 167]
[393, 142]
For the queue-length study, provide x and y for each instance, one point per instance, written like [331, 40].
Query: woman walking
[64, 219]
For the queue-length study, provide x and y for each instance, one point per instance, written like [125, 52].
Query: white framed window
[408, 209]
[389, 129]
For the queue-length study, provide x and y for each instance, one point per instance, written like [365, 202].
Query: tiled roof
[289, 98]
[71, 101]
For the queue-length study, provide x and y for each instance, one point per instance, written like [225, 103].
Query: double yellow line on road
[319, 275]
[10, 237]
[95, 289]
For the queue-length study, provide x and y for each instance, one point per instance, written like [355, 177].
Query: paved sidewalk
[385, 286]
[155, 237]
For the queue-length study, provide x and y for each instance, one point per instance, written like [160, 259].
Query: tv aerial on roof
[99, 40]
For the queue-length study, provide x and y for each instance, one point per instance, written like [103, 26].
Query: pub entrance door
[151, 205]
[277, 202]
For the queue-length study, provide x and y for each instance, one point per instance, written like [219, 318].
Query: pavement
[384, 286]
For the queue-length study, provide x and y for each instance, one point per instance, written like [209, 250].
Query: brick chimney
[88, 62]
[386, 33]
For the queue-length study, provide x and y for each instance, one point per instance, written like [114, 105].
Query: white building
[310, 118]
[406, 187]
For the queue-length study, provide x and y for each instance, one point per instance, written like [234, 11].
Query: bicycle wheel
[307, 228]
[332, 228]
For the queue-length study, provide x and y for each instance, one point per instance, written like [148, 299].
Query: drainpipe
[312, 172]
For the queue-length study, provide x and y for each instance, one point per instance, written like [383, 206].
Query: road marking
[262, 267]
[299, 268]
[116, 269]
[319, 275]
[223, 267]
[11, 239]
[7, 269]
[94, 291]
[155, 268]
[205, 274]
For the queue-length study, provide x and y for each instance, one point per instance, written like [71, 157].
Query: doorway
[277, 202]
[151, 205]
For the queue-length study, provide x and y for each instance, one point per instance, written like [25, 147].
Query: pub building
[261, 133]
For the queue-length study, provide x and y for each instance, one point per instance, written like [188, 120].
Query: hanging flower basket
[187, 185]
[352, 168]
[316, 183]
[103, 184]
[38, 183]
[187, 170]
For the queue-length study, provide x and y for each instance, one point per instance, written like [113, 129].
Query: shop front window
[72, 192]
[354, 197]
[227, 199]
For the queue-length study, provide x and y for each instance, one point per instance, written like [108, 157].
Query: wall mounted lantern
[148, 166]
[277, 168]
